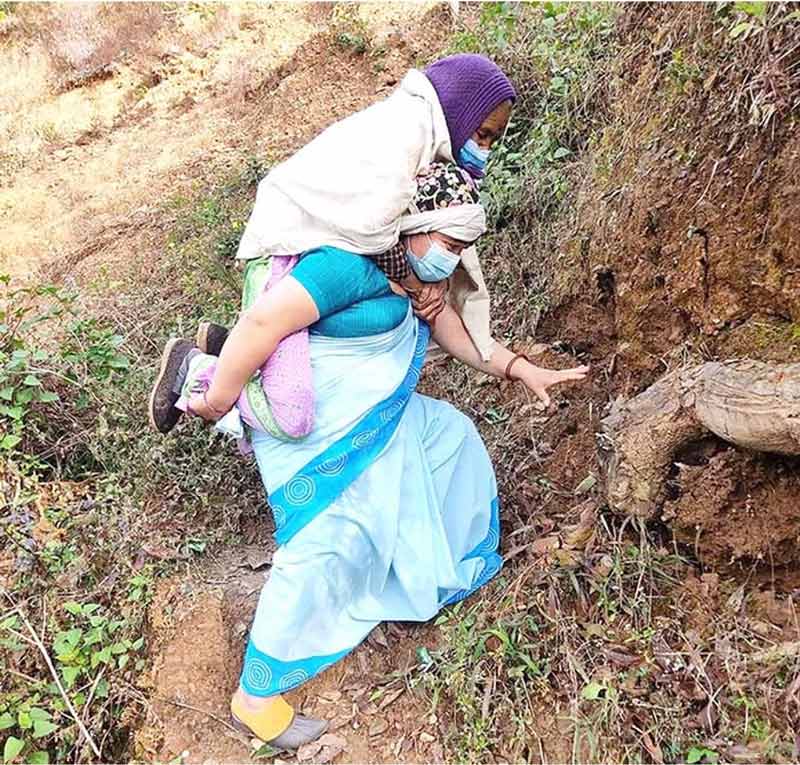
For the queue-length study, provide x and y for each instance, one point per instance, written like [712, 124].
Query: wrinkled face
[419, 243]
[493, 126]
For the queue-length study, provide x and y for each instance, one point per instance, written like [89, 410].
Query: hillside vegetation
[644, 218]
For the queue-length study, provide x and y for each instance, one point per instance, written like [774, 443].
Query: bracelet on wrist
[511, 363]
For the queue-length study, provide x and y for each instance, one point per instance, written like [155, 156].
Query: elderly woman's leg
[285, 377]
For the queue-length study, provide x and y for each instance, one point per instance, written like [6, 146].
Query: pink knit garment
[286, 374]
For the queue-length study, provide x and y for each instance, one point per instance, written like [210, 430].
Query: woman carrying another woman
[347, 189]
[388, 509]
[384, 501]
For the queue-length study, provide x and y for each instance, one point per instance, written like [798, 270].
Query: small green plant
[682, 75]
[91, 351]
[43, 345]
[496, 26]
[701, 754]
[349, 29]
[140, 587]
[750, 20]
[23, 367]
[93, 640]
[88, 647]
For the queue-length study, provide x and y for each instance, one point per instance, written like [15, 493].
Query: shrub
[35, 376]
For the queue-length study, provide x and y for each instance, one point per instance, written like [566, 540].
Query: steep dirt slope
[80, 167]
[687, 245]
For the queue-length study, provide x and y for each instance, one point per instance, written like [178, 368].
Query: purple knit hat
[470, 87]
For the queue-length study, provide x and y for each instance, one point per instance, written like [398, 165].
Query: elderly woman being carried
[388, 508]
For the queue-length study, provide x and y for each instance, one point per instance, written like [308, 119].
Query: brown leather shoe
[162, 410]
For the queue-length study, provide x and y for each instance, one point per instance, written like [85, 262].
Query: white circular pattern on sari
[333, 466]
[364, 439]
[257, 674]
[292, 679]
[492, 566]
[491, 541]
[392, 411]
[279, 515]
[300, 490]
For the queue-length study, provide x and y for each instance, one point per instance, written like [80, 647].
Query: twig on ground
[199, 710]
[90, 698]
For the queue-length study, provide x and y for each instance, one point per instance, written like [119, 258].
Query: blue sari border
[322, 480]
[263, 675]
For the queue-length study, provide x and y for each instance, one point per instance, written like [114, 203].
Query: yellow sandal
[276, 723]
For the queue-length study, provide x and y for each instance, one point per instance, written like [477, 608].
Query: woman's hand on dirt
[538, 379]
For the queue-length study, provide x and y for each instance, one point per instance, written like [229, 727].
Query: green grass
[88, 489]
[557, 55]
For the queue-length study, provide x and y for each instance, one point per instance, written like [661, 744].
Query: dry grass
[87, 41]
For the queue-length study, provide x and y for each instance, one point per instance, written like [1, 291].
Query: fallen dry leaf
[44, 531]
[653, 749]
[377, 639]
[390, 698]
[545, 544]
[378, 726]
[160, 551]
[749, 753]
[323, 750]
[621, 656]
[257, 559]
[567, 558]
[340, 721]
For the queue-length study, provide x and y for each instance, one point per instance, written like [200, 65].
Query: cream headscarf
[447, 201]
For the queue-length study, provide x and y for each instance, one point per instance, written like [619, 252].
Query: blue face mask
[437, 264]
[473, 159]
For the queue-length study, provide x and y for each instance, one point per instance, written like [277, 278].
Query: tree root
[750, 404]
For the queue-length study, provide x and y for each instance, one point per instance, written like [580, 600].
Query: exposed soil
[686, 246]
[689, 226]
[734, 507]
[200, 624]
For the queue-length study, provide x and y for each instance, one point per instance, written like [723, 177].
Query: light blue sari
[386, 511]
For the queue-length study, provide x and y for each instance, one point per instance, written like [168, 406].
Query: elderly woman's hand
[538, 380]
[427, 298]
[199, 405]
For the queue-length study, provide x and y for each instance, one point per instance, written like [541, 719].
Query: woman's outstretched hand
[538, 379]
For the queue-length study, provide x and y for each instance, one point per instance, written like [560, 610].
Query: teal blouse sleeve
[351, 293]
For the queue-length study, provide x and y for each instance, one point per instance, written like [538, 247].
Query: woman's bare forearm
[285, 309]
[451, 335]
